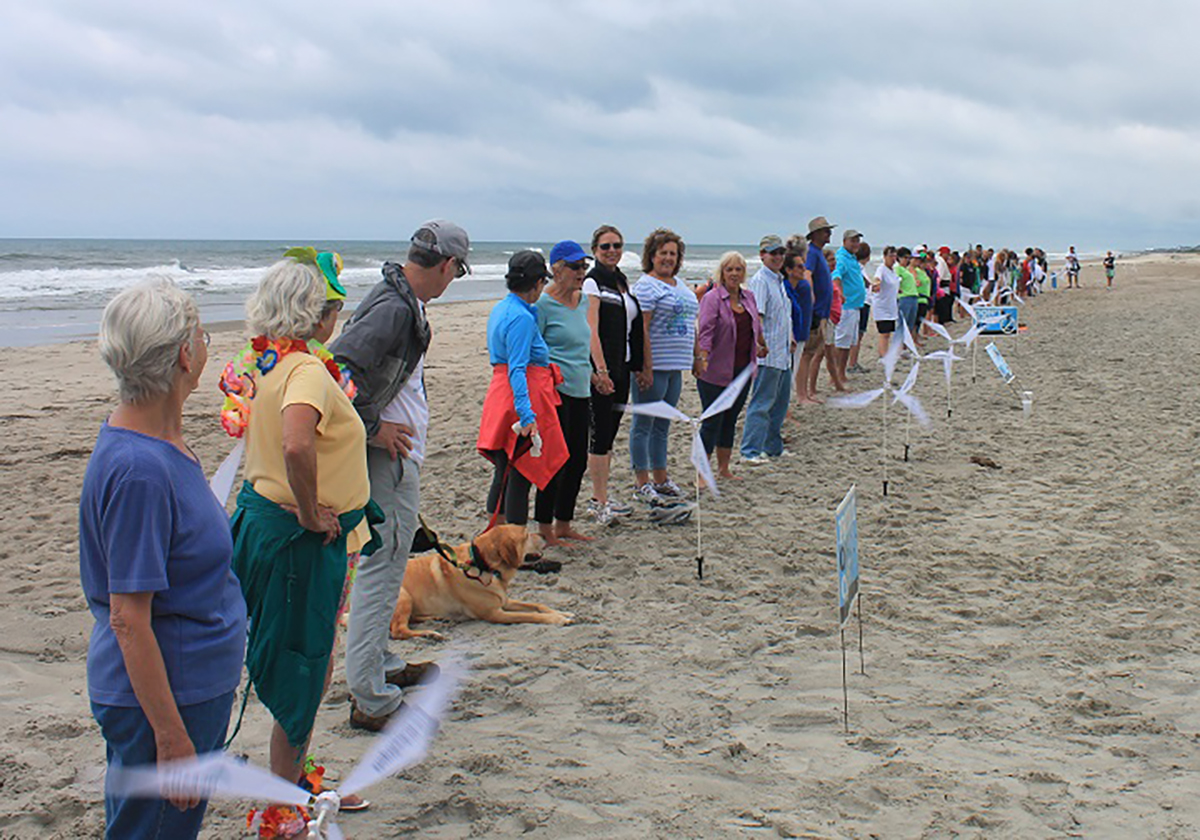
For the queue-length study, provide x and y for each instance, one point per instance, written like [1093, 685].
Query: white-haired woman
[303, 507]
[154, 555]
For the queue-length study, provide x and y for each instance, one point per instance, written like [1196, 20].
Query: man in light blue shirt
[848, 277]
[762, 436]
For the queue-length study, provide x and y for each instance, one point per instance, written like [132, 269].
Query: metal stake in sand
[901, 395]
[699, 457]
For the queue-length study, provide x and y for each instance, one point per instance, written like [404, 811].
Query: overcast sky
[922, 121]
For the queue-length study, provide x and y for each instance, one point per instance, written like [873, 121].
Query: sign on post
[997, 319]
[998, 360]
[846, 528]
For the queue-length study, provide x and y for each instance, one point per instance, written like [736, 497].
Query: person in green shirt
[921, 271]
[908, 298]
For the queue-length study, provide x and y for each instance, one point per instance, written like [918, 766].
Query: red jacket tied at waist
[499, 415]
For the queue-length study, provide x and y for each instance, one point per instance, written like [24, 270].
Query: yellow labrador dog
[474, 587]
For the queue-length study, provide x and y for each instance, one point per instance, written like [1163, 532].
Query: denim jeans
[396, 488]
[129, 740]
[908, 313]
[648, 435]
[762, 434]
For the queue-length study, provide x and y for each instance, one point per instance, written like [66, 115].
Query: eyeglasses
[578, 265]
[610, 246]
[205, 337]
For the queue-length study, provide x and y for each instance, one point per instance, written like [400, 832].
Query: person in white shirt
[885, 307]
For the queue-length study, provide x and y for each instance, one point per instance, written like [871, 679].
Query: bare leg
[660, 476]
[640, 477]
[724, 453]
[598, 467]
[814, 371]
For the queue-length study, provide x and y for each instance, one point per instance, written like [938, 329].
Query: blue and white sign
[994, 354]
[997, 319]
[846, 527]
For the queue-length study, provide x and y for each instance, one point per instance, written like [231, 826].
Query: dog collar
[478, 566]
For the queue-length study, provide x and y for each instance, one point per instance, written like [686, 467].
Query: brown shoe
[411, 674]
[362, 720]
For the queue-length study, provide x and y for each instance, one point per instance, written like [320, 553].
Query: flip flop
[360, 805]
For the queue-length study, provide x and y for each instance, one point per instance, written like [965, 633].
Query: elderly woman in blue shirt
[521, 403]
[154, 557]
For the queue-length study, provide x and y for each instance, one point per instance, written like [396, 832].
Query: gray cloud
[927, 120]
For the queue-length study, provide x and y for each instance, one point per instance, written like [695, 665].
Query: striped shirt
[775, 309]
[673, 325]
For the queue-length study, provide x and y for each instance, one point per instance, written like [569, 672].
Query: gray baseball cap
[769, 243]
[445, 238]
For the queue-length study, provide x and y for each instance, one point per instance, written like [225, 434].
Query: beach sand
[1031, 633]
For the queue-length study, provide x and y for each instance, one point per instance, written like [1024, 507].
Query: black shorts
[864, 318]
[922, 310]
[885, 327]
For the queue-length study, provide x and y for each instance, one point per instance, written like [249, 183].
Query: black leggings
[557, 501]
[605, 416]
[719, 429]
[515, 490]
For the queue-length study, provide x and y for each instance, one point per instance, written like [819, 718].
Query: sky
[937, 121]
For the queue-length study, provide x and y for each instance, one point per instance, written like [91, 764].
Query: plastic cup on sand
[1027, 403]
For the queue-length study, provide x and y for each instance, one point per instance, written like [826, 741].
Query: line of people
[336, 437]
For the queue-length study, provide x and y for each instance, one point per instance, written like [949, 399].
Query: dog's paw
[561, 618]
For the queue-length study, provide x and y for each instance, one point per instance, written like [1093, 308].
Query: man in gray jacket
[384, 346]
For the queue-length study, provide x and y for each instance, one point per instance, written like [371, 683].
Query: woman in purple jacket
[728, 338]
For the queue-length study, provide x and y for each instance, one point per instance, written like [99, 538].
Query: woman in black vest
[616, 322]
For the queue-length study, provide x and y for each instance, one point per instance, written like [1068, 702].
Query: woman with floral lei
[303, 512]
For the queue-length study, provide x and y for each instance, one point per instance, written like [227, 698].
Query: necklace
[259, 357]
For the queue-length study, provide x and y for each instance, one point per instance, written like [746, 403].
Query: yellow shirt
[342, 483]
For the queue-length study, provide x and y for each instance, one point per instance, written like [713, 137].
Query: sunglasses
[206, 337]
[578, 265]
[610, 246]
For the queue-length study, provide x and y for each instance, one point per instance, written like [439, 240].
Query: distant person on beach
[863, 255]
[907, 298]
[617, 348]
[1072, 263]
[167, 646]
[1110, 268]
[944, 295]
[521, 400]
[886, 291]
[847, 277]
[819, 233]
[762, 437]
[835, 317]
[562, 321]
[304, 514]
[384, 345]
[799, 289]
[669, 320]
[729, 338]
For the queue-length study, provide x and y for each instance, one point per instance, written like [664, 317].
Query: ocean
[54, 290]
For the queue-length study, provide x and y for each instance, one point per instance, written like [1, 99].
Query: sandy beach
[1032, 633]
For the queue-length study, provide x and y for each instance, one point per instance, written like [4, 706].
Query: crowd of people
[336, 437]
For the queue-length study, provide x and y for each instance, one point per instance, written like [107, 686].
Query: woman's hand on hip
[323, 521]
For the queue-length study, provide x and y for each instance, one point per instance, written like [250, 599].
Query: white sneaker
[669, 489]
[647, 495]
[784, 454]
[602, 513]
[672, 514]
[756, 460]
[619, 508]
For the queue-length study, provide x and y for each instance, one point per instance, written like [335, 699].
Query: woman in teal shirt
[562, 321]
